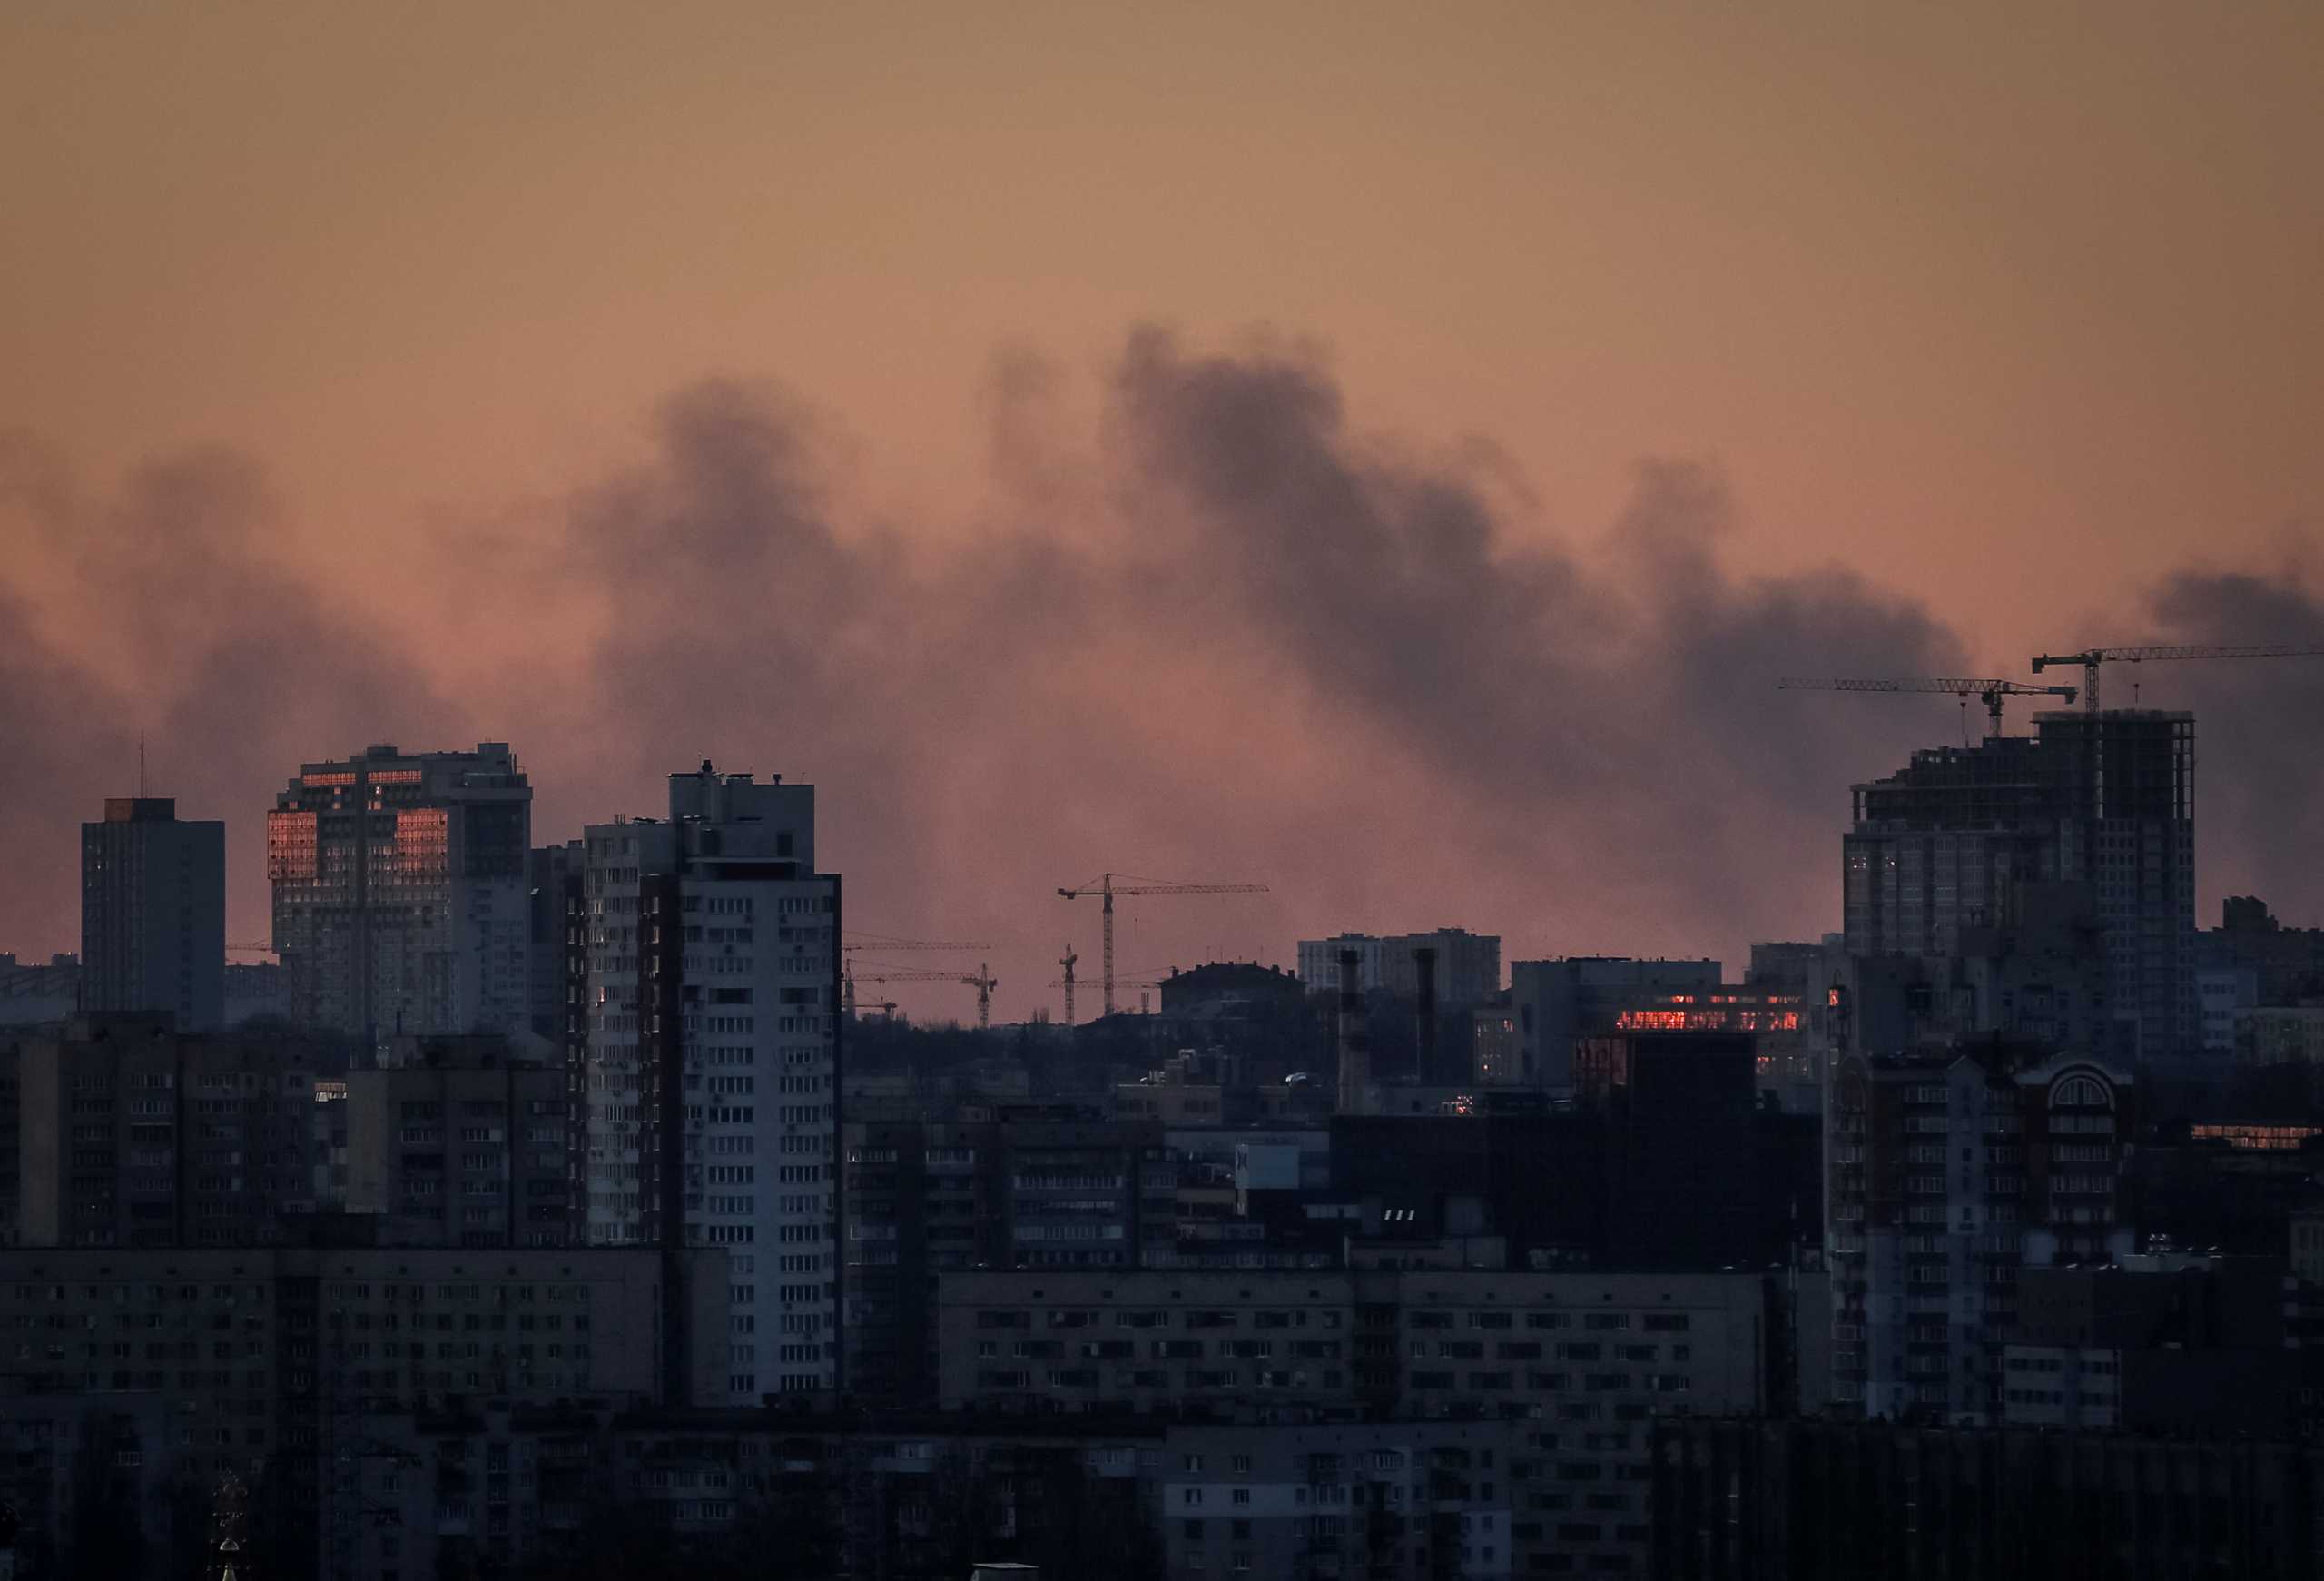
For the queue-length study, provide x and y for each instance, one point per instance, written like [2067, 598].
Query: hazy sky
[1362, 448]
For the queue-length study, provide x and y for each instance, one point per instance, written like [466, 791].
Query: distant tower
[1067, 961]
[153, 913]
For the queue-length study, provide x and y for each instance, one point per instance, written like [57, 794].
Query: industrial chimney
[1355, 1038]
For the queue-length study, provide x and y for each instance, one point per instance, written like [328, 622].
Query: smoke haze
[1206, 626]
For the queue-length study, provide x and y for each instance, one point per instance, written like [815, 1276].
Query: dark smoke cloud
[183, 629]
[1218, 632]
[2259, 762]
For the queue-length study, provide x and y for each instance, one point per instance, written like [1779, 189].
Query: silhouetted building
[135, 1134]
[1740, 1500]
[154, 914]
[2163, 1344]
[926, 1202]
[1684, 1180]
[1553, 1003]
[555, 878]
[399, 892]
[1467, 964]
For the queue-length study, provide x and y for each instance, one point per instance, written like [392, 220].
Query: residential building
[464, 1146]
[1576, 1367]
[1388, 1499]
[2174, 1343]
[928, 1200]
[132, 1133]
[276, 1364]
[1945, 1175]
[399, 892]
[2280, 1034]
[712, 1063]
[154, 914]
[555, 876]
[1467, 966]
[1742, 1500]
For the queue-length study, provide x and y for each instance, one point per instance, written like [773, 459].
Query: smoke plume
[1220, 632]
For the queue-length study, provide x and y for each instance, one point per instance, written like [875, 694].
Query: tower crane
[855, 941]
[2090, 659]
[981, 980]
[1107, 888]
[1065, 982]
[1987, 690]
[1135, 980]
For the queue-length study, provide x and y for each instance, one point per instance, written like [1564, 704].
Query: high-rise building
[154, 914]
[399, 892]
[2104, 802]
[1945, 1175]
[712, 1063]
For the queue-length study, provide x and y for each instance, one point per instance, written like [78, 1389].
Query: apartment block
[270, 1363]
[1578, 1365]
[1740, 1500]
[1389, 1499]
[133, 1134]
[712, 1063]
[154, 914]
[1946, 1176]
[401, 901]
[466, 1147]
[927, 1201]
[1465, 966]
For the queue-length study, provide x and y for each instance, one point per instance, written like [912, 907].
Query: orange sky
[2010, 308]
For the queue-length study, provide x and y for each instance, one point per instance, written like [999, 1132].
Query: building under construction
[2103, 803]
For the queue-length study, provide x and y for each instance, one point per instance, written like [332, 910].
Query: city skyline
[1487, 457]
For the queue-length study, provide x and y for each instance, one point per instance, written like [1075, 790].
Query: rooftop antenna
[141, 765]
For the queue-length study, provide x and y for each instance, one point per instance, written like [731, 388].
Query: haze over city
[1361, 453]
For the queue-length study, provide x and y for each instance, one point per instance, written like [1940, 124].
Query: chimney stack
[1355, 1038]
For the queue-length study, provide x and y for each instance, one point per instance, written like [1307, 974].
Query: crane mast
[981, 980]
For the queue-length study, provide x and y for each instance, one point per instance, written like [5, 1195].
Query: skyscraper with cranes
[2103, 803]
